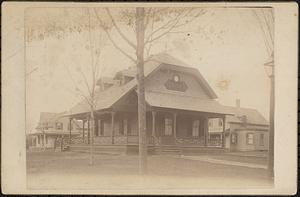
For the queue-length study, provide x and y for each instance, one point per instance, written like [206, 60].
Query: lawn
[67, 170]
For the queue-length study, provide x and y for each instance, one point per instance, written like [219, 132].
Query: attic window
[176, 78]
[176, 84]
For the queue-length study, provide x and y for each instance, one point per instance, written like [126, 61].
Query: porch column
[83, 133]
[88, 121]
[175, 124]
[99, 122]
[61, 143]
[206, 131]
[125, 126]
[153, 123]
[70, 130]
[44, 139]
[223, 133]
[112, 126]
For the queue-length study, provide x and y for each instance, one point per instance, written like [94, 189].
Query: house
[179, 101]
[247, 130]
[52, 127]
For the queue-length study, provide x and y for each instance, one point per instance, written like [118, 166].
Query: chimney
[238, 103]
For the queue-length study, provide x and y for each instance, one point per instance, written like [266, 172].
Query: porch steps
[188, 150]
[168, 150]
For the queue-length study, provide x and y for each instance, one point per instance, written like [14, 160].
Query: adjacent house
[247, 130]
[51, 129]
[179, 105]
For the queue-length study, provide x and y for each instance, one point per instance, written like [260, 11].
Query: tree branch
[110, 38]
[268, 25]
[79, 91]
[164, 26]
[148, 17]
[173, 23]
[268, 47]
[119, 30]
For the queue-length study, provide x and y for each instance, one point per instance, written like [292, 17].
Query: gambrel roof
[106, 98]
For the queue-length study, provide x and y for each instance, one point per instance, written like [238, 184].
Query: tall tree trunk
[140, 34]
[92, 132]
[271, 127]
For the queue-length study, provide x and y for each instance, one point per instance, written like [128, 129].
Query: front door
[168, 134]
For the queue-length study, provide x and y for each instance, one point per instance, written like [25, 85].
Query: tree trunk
[92, 126]
[140, 34]
[271, 131]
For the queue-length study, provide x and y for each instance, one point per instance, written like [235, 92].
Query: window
[176, 78]
[261, 139]
[59, 126]
[220, 123]
[168, 126]
[210, 124]
[46, 139]
[233, 138]
[100, 130]
[195, 132]
[250, 138]
[38, 137]
[69, 126]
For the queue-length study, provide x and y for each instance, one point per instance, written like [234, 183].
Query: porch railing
[214, 142]
[190, 141]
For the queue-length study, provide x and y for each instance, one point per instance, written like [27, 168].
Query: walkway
[224, 162]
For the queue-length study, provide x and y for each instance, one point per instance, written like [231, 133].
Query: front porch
[166, 129]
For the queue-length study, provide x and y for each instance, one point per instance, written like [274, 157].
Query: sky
[226, 45]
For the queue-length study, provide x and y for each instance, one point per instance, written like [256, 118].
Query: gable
[170, 80]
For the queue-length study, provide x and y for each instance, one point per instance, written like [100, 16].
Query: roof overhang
[174, 101]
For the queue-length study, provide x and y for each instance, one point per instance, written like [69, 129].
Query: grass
[61, 170]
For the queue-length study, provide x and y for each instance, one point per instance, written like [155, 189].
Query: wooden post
[112, 127]
[125, 127]
[99, 122]
[44, 139]
[89, 134]
[223, 134]
[83, 133]
[271, 130]
[153, 123]
[174, 125]
[206, 131]
[70, 130]
[61, 143]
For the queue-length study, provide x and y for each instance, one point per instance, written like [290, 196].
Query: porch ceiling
[173, 101]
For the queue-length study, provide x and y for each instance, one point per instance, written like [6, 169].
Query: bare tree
[148, 25]
[265, 20]
[88, 91]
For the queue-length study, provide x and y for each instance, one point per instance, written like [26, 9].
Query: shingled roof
[158, 99]
[47, 117]
[252, 116]
[106, 98]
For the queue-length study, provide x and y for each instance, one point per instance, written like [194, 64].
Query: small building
[179, 104]
[247, 130]
[51, 129]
